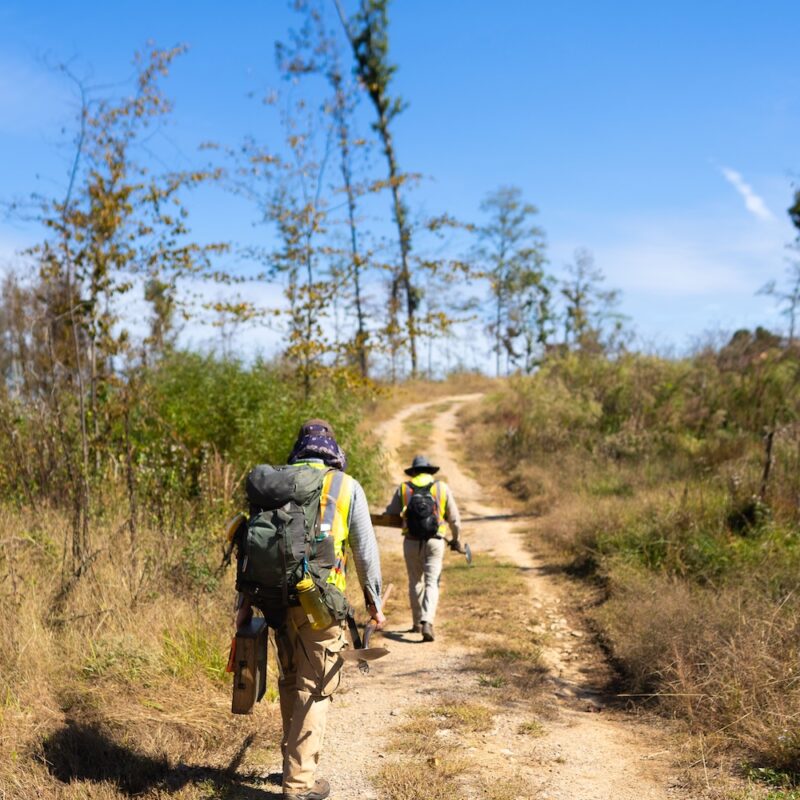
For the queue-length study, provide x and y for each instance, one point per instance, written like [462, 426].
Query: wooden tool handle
[386, 593]
[387, 520]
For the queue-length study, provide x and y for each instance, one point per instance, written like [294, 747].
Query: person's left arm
[364, 546]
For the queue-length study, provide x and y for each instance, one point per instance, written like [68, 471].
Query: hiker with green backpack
[427, 507]
[293, 548]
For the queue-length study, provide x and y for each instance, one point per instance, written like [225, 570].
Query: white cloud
[683, 272]
[671, 269]
[753, 202]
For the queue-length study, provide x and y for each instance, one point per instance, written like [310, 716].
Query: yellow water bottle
[311, 600]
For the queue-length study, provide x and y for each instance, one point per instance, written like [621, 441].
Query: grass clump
[189, 651]
[435, 779]
[482, 605]
[530, 728]
[464, 717]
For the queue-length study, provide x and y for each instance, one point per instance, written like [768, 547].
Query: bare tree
[591, 320]
[787, 297]
[511, 253]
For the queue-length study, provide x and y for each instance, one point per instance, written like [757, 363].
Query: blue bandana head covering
[317, 440]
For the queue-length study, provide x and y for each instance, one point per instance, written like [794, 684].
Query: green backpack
[282, 540]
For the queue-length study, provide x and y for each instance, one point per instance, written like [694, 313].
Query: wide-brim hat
[421, 464]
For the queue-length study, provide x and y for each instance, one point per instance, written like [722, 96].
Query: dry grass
[429, 745]
[701, 610]
[724, 660]
[487, 604]
[480, 605]
[531, 728]
[431, 779]
[431, 731]
[120, 689]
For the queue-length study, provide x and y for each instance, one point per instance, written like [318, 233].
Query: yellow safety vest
[438, 493]
[336, 500]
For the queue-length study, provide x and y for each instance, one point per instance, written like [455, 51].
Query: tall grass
[652, 477]
[112, 683]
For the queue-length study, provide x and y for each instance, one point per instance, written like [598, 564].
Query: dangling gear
[361, 651]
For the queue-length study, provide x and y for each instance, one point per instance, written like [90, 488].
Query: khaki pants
[424, 566]
[311, 672]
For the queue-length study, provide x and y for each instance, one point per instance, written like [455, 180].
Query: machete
[466, 552]
[362, 652]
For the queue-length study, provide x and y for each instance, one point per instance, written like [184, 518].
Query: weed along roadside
[663, 503]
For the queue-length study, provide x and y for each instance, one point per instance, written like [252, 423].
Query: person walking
[427, 507]
[309, 658]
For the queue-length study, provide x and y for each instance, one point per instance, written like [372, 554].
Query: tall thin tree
[368, 34]
[511, 252]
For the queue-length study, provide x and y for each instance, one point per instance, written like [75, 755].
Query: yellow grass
[117, 691]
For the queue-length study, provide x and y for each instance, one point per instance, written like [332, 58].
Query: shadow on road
[84, 752]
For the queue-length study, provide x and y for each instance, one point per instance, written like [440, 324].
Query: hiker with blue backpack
[427, 507]
[291, 564]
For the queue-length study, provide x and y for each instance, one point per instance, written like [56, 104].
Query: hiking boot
[427, 632]
[320, 791]
[416, 628]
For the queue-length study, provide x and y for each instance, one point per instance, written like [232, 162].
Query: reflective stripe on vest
[334, 511]
[438, 493]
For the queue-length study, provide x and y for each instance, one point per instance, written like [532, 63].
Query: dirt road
[588, 750]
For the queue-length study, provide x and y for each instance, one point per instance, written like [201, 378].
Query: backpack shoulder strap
[439, 491]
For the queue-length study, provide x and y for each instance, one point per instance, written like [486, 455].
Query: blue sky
[663, 137]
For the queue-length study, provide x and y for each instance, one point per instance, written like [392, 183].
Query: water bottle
[311, 600]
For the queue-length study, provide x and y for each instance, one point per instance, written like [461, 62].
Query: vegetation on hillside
[113, 664]
[677, 488]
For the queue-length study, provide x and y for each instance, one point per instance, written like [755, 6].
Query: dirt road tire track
[582, 756]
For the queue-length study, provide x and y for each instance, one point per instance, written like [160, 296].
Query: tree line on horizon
[355, 295]
[359, 298]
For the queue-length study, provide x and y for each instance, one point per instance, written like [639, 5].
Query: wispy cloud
[753, 202]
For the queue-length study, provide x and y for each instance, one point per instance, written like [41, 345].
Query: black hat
[421, 464]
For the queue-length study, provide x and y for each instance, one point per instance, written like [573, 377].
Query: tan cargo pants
[424, 567]
[311, 672]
